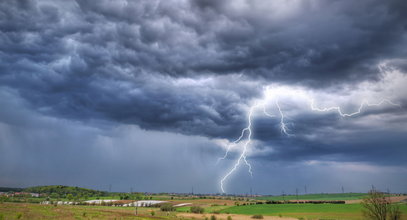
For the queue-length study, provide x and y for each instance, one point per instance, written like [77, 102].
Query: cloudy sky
[148, 94]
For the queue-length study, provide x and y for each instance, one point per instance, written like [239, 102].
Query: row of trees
[59, 191]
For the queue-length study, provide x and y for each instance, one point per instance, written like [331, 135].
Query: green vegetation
[47, 212]
[197, 209]
[328, 211]
[10, 189]
[59, 191]
[211, 209]
[321, 196]
[167, 207]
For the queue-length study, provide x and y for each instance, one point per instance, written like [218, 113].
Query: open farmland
[320, 196]
[306, 211]
[37, 211]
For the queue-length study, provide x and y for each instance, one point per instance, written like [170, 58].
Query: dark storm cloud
[82, 59]
[193, 67]
[41, 150]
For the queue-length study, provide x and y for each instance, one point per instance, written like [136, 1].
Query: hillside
[64, 190]
[10, 189]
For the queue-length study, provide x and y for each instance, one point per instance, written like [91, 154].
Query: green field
[36, 211]
[210, 209]
[314, 211]
[321, 196]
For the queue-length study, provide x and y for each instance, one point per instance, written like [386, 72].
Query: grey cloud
[193, 67]
[58, 55]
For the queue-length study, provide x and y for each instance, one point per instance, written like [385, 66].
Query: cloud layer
[191, 70]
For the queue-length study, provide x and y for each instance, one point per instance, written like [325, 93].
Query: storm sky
[148, 94]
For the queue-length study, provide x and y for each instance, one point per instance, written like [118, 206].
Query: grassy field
[322, 196]
[306, 211]
[209, 209]
[36, 211]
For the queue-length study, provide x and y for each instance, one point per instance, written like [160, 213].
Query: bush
[378, 207]
[152, 213]
[229, 218]
[213, 217]
[167, 207]
[257, 216]
[197, 209]
[19, 215]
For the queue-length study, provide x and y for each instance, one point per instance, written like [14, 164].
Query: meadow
[306, 211]
[37, 211]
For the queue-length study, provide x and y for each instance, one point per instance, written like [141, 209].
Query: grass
[313, 211]
[321, 196]
[37, 211]
[209, 209]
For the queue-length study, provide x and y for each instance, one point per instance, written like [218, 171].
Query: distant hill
[64, 190]
[10, 189]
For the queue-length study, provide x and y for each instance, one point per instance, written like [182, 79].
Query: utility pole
[305, 189]
[296, 193]
[283, 196]
[251, 192]
[110, 187]
[343, 190]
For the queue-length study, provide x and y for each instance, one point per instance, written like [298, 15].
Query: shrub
[229, 218]
[152, 213]
[167, 207]
[377, 207]
[19, 215]
[213, 217]
[197, 209]
[257, 216]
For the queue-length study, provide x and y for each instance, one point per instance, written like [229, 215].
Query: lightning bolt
[363, 104]
[283, 128]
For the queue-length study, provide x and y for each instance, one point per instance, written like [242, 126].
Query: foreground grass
[36, 211]
[306, 211]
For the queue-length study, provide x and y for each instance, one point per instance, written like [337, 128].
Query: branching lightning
[340, 112]
[247, 131]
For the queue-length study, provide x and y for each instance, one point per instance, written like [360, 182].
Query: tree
[69, 197]
[167, 207]
[197, 209]
[378, 207]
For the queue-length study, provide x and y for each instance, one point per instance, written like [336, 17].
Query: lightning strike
[283, 128]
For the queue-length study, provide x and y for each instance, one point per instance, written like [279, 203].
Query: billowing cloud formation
[195, 67]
